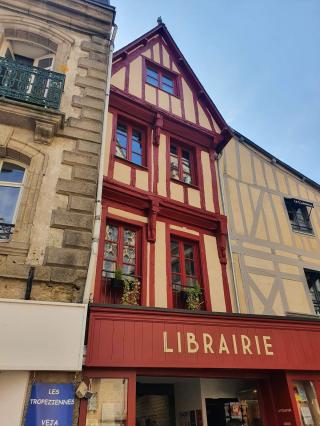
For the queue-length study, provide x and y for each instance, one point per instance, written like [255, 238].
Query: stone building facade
[54, 61]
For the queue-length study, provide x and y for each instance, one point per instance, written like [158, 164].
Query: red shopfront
[140, 350]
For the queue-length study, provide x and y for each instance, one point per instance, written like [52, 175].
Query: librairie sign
[50, 405]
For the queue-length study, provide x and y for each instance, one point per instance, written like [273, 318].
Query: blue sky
[259, 61]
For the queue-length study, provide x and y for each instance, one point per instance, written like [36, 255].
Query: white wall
[187, 397]
[41, 335]
[13, 388]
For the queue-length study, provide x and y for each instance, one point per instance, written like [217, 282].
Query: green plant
[118, 274]
[194, 297]
[131, 292]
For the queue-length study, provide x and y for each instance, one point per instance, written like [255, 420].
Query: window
[11, 180]
[185, 269]
[130, 143]
[120, 251]
[299, 214]
[313, 280]
[181, 164]
[162, 80]
[28, 54]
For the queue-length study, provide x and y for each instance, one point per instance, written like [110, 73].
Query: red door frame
[266, 405]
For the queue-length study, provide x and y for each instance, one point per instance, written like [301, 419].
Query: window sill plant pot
[117, 281]
[184, 293]
[194, 296]
[131, 292]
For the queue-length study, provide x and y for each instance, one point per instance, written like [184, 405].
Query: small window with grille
[299, 214]
[313, 280]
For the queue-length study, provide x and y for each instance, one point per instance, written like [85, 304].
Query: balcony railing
[30, 84]
[5, 231]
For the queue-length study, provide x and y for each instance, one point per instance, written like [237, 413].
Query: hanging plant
[194, 297]
[117, 281]
[131, 292]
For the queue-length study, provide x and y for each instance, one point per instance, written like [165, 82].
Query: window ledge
[306, 234]
[44, 122]
[188, 185]
[130, 163]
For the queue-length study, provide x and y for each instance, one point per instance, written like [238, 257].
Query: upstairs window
[11, 180]
[130, 143]
[299, 214]
[162, 80]
[181, 164]
[313, 280]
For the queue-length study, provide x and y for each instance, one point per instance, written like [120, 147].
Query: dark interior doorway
[216, 415]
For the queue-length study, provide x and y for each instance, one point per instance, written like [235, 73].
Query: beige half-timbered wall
[268, 256]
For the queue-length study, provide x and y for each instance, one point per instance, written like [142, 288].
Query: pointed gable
[153, 70]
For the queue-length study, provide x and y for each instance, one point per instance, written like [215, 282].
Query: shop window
[130, 143]
[185, 275]
[11, 182]
[182, 164]
[307, 403]
[299, 214]
[121, 266]
[109, 402]
[313, 280]
[160, 78]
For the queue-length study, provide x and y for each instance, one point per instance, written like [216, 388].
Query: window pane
[136, 142]
[136, 159]
[190, 267]
[191, 281]
[108, 269]
[129, 237]
[152, 81]
[174, 166]
[11, 173]
[8, 201]
[175, 265]
[108, 405]
[173, 149]
[167, 89]
[167, 81]
[122, 141]
[152, 73]
[174, 248]
[188, 251]
[112, 233]
[129, 255]
[187, 178]
[45, 63]
[129, 269]
[307, 402]
[121, 152]
[111, 251]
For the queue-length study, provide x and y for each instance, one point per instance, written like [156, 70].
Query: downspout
[225, 210]
[88, 290]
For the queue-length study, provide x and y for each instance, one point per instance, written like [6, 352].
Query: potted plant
[193, 300]
[117, 280]
[131, 292]
[184, 293]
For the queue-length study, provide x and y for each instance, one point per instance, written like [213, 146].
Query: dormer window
[161, 79]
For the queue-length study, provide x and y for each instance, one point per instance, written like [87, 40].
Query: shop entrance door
[216, 413]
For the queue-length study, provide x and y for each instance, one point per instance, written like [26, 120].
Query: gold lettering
[257, 344]
[165, 343]
[179, 341]
[223, 345]
[192, 344]
[207, 343]
[246, 343]
[235, 348]
[267, 345]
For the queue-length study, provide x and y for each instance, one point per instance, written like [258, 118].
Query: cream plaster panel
[258, 306]
[311, 260]
[147, 53]
[163, 98]
[142, 180]
[264, 283]
[203, 119]
[207, 181]
[293, 187]
[151, 94]
[194, 197]
[215, 274]
[165, 57]
[286, 254]
[239, 283]
[282, 182]
[283, 220]
[303, 191]
[289, 269]
[135, 77]
[175, 68]
[245, 197]
[176, 192]
[188, 102]
[161, 266]
[184, 229]
[108, 142]
[230, 158]
[259, 172]
[40, 235]
[127, 215]
[246, 168]
[122, 172]
[277, 306]
[156, 53]
[296, 296]
[118, 78]
[271, 224]
[176, 106]
[256, 247]
[270, 177]
[235, 207]
[162, 187]
[256, 262]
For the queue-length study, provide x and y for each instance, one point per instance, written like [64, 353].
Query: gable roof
[202, 94]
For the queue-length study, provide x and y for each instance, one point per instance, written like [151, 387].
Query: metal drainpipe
[98, 208]
[225, 210]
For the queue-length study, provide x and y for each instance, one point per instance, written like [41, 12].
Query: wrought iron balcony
[29, 84]
[5, 231]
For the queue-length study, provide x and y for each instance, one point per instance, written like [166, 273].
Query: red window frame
[181, 256]
[130, 128]
[160, 74]
[120, 245]
[179, 149]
